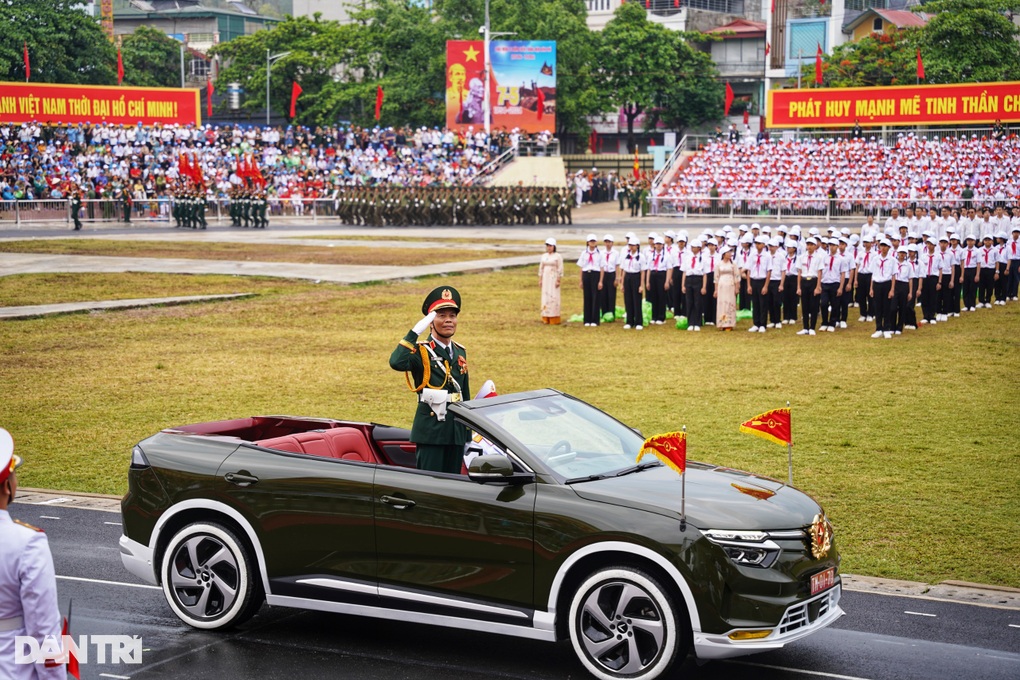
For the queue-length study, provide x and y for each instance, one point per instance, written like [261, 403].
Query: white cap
[670, 234]
[659, 240]
[633, 241]
[855, 239]
[608, 237]
[724, 250]
[755, 225]
[811, 240]
[766, 229]
[902, 249]
[591, 237]
[845, 231]
[885, 242]
[790, 243]
[681, 235]
[775, 241]
[488, 390]
[652, 235]
[762, 240]
[550, 241]
[814, 231]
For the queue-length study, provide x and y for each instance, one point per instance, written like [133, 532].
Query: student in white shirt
[809, 285]
[590, 264]
[693, 285]
[930, 282]
[788, 283]
[774, 299]
[756, 275]
[607, 281]
[631, 276]
[881, 292]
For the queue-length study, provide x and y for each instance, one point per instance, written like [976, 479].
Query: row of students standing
[824, 276]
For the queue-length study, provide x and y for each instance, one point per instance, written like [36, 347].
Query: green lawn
[909, 443]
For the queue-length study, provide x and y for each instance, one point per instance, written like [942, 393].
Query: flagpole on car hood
[683, 490]
[789, 453]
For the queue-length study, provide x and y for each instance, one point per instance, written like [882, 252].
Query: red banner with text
[906, 105]
[73, 104]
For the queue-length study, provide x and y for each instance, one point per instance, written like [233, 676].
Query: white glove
[420, 327]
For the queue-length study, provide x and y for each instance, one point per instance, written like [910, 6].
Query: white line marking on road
[921, 614]
[116, 524]
[54, 500]
[795, 670]
[118, 677]
[109, 583]
[1013, 625]
[47, 517]
[890, 642]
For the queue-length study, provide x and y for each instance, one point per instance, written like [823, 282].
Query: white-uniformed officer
[28, 586]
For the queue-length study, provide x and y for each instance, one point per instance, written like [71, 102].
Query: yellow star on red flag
[470, 54]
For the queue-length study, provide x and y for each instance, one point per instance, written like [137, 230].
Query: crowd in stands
[44, 161]
[858, 174]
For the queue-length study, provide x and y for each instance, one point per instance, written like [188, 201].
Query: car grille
[810, 611]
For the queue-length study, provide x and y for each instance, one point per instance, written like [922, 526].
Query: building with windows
[196, 26]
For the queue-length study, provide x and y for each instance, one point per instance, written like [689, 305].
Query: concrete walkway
[31, 311]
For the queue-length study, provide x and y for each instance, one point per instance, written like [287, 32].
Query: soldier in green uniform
[76, 210]
[200, 209]
[437, 372]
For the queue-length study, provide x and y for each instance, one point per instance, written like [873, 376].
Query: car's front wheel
[208, 577]
[623, 624]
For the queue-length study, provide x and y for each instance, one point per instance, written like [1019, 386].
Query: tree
[879, 59]
[694, 94]
[151, 58]
[319, 51]
[648, 68]
[970, 41]
[65, 44]
[965, 41]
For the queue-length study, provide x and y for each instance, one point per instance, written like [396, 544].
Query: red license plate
[823, 580]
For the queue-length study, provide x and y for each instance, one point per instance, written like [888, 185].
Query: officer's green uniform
[440, 444]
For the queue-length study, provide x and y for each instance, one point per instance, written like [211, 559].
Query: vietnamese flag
[773, 425]
[295, 92]
[541, 103]
[637, 164]
[729, 99]
[818, 65]
[208, 97]
[28, 64]
[120, 67]
[378, 101]
[670, 448]
[920, 65]
[183, 167]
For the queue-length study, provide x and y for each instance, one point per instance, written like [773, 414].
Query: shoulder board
[28, 526]
[459, 345]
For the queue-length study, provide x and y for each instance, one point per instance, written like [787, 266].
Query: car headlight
[746, 548]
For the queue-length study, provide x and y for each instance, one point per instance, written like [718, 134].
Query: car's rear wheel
[623, 624]
[208, 577]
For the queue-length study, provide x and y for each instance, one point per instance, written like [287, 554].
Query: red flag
[774, 426]
[28, 64]
[773, 10]
[196, 172]
[120, 67]
[747, 116]
[295, 92]
[648, 4]
[72, 660]
[637, 164]
[920, 65]
[670, 448]
[378, 101]
[208, 97]
[183, 167]
[676, 3]
[541, 103]
[818, 65]
[768, 48]
[729, 99]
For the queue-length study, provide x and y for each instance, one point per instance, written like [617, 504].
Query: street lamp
[270, 60]
[488, 66]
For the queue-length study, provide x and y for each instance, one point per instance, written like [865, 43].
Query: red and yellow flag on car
[773, 425]
[670, 448]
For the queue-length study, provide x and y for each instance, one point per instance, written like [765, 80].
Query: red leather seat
[344, 443]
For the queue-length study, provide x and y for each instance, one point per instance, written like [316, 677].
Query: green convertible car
[553, 532]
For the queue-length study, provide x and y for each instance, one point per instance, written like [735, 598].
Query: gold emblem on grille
[821, 536]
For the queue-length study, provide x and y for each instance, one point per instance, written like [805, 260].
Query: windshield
[573, 439]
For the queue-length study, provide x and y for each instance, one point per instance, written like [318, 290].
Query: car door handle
[397, 502]
[240, 478]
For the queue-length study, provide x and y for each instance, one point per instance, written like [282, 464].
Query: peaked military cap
[443, 297]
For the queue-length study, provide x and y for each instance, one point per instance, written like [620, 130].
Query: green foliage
[966, 41]
[879, 59]
[970, 41]
[648, 68]
[65, 44]
[151, 58]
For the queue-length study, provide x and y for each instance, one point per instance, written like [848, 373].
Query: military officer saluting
[28, 587]
[437, 372]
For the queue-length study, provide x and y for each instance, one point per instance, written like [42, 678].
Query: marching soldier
[437, 371]
[76, 210]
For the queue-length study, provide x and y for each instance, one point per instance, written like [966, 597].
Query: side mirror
[495, 469]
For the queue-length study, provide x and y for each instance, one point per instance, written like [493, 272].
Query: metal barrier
[886, 135]
[673, 158]
[818, 208]
[20, 212]
[535, 148]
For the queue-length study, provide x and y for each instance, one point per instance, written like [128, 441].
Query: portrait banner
[971, 103]
[522, 79]
[74, 104]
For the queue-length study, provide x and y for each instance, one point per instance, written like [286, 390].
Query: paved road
[882, 637]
